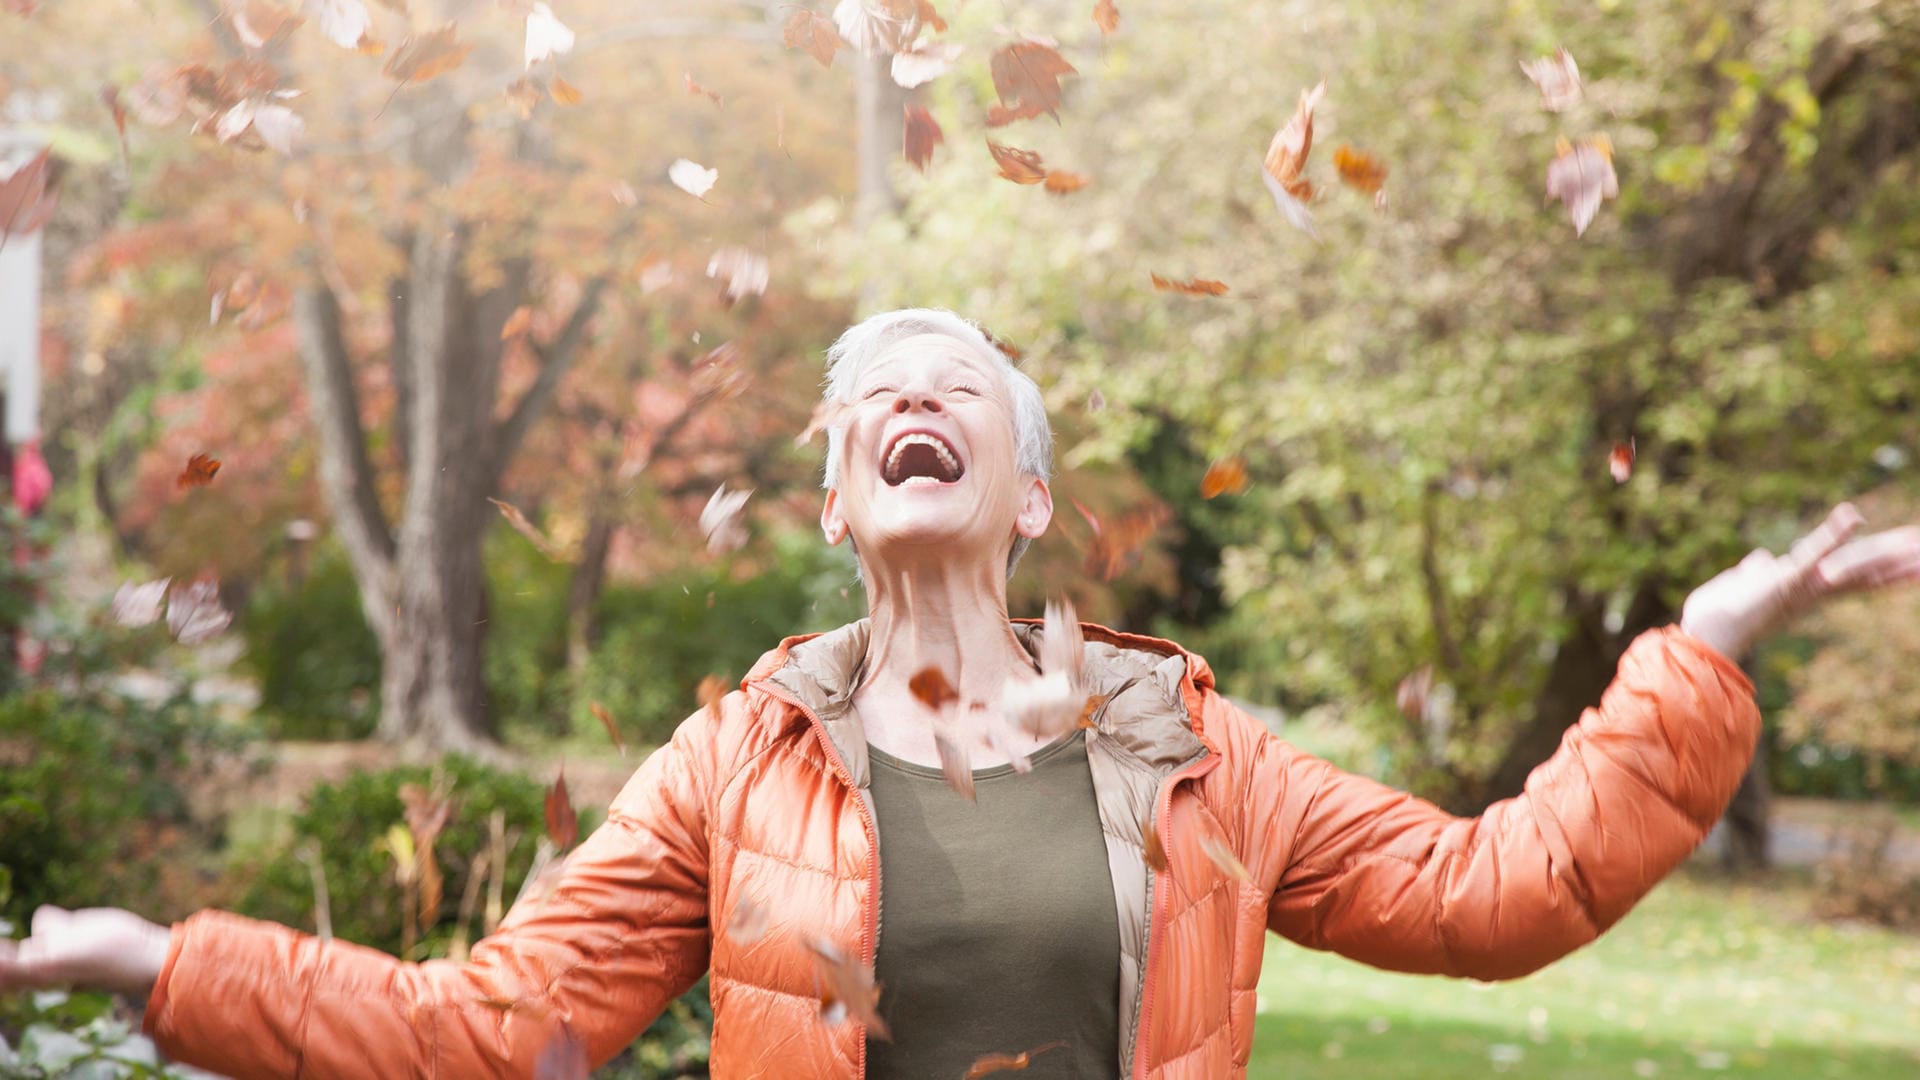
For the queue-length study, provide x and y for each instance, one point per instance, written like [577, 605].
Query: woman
[1104, 898]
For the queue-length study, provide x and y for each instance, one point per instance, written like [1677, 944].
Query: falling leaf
[1227, 476]
[710, 693]
[1380, 200]
[624, 194]
[813, 32]
[876, 27]
[723, 522]
[930, 17]
[698, 90]
[1581, 177]
[848, 990]
[1150, 840]
[922, 134]
[1359, 169]
[260, 23]
[1106, 16]
[749, 921]
[526, 528]
[198, 472]
[524, 94]
[110, 97]
[924, 62]
[932, 687]
[1096, 401]
[1411, 697]
[1620, 461]
[1065, 183]
[1191, 287]
[692, 177]
[1090, 710]
[517, 323]
[828, 414]
[421, 57]
[139, 605]
[1019, 166]
[1026, 75]
[346, 23]
[1217, 849]
[1291, 206]
[278, 126]
[744, 273]
[1558, 78]
[563, 1058]
[194, 614]
[1046, 705]
[988, 1064]
[1063, 644]
[547, 36]
[564, 92]
[955, 766]
[1116, 542]
[158, 98]
[1287, 154]
[24, 202]
[601, 714]
[562, 826]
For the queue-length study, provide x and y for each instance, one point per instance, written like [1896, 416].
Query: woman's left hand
[1741, 605]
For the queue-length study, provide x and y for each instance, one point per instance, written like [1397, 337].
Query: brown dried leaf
[527, 529]
[930, 17]
[696, 89]
[1359, 169]
[922, 134]
[1287, 153]
[988, 1064]
[1019, 166]
[1227, 476]
[260, 24]
[24, 202]
[1411, 697]
[710, 693]
[601, 714]
[1066, 183]
[198, 472]
[931, 686]
[1115, 543]
[1581, 177]
[563, 828]
[1026, 75]
[1217, 849]
[848, 990]
[1150, 838]
[1091, 710]
[421, 57]
[955, 765]
[813, 32]
[1190, 287]
[564, 92]
[1106, 16]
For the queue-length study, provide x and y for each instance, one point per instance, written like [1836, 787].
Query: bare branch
[555, 359]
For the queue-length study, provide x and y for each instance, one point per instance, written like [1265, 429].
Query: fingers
[1872, 561]
[1842, 521]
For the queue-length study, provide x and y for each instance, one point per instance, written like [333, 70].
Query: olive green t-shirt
[998, 927]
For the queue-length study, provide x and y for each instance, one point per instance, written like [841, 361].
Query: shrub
[315, 658]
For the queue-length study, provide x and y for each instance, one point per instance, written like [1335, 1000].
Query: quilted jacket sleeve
[622, 933]
[1391, 880]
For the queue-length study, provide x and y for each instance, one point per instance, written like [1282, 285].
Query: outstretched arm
[622, 932]
[1394, 881]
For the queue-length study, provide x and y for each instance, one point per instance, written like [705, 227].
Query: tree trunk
[583, 590]
[881, 105]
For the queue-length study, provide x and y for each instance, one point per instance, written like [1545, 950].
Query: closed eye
[876, 391]
[964, 389]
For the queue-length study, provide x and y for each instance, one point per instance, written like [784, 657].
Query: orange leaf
[601, 714]
[710, 692]
[1116, 543]
[1216, 848]
[564, 92]
[198, 472]
[1019, 166]
[1106, 16]
[931, 17]
[813, 32]
[1193, 287]
[848, 990]
[1620, 461]
[1287, 153]
[1026, 75]
[1359, 169]
[1065, 183]
[930, 685]
[988, 1064]
[420, 57]
[922, 135]
[526, 528]
[517, 323]
[1150, 837]
[562, 826]
[1227, 476]
[1091, 709]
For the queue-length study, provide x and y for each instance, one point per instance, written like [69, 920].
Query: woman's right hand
[93, 948]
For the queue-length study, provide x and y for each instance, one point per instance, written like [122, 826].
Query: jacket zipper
[870, 920]
[1143, 1013]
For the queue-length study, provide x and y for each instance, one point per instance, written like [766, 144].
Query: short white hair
[867, 339]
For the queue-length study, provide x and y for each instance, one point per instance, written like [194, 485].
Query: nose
[916, 400]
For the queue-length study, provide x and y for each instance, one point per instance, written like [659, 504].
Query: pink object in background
[32, 481]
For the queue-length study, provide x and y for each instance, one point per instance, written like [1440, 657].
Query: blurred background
[1394, 436]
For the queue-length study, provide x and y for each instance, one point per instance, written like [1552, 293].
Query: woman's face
[929, 455]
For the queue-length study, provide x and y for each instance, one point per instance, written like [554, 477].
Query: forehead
[938, 352]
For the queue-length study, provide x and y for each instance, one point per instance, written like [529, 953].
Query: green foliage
[60, 1036]
[349, 820]
[526, 661]
[316, 661]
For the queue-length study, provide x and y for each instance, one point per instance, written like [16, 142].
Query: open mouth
[918, 458]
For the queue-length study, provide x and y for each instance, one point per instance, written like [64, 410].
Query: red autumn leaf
[1026, 75]
[1217, 849]
[1106, 16]
[601, 714]
[139, 605]
[1558, 78]
[988, 1064]
[749, 921]
[1581, 177]
[563, 828]
[1227, 476]
[813, 32]
[922, 135]
[932, 687]
[420, 57]
[1065, 183]
[1190, 287]
[1019, 166]
[1150, 838]
[517, 323]
[711, 691]
[521, 525]
[698, 90]
[198, 471]
[1411, 697]
[1359, 169]
[847, 988]
[564, 92]
[194, 613]
[24, 202]
[1620, 461]
[1287, 153]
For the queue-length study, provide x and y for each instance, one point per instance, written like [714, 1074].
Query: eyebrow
[956, 354]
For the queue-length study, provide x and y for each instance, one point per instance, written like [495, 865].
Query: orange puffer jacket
[768, 801]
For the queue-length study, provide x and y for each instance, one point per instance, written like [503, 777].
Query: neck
[941, 612]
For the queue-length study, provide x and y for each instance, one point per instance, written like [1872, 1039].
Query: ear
[832, 525]
[1036, 510]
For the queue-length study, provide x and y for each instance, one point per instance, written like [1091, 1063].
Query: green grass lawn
[1703, 979]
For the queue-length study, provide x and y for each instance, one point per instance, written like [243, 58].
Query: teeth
[940, 448]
